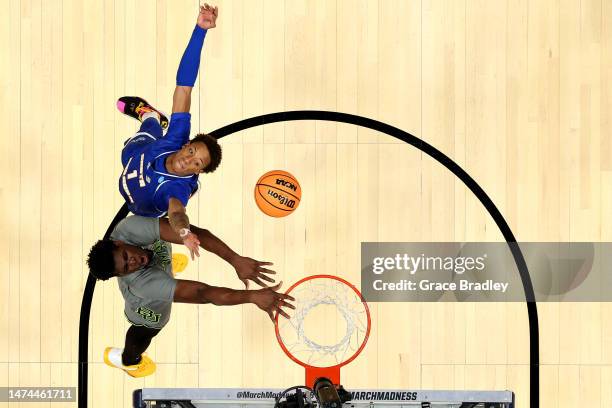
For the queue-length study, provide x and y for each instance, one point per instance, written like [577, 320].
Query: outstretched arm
[246, 268]
[190, 62]
[185, 80]
[266, 299]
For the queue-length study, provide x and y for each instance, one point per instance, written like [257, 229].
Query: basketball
[277, 193]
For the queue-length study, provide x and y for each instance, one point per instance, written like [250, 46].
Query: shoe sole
[163, 123]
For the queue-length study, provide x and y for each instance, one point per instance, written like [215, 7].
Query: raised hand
[250, 269]
[270, 301]
[208, 16]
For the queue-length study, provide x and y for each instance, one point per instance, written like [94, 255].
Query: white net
[328, 325]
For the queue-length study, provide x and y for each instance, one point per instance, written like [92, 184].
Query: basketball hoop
[319, 359]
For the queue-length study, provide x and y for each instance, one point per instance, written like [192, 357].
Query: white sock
[152, 114]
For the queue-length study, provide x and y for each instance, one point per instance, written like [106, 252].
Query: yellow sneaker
[179, 263]
[112, 358]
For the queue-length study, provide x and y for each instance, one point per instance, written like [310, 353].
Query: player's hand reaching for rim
[208, 17]
[250, 269]
[270, 301]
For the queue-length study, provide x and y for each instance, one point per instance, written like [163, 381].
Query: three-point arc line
[532, 311]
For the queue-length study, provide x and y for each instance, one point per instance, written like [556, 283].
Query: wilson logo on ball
[282, 199]
[286, 183]
[277, 193]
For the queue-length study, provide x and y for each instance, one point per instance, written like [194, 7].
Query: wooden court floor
[518, 93]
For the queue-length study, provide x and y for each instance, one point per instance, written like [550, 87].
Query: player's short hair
[213, 148]
[100, 260]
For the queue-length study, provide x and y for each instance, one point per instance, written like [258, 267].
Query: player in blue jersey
[160, 173]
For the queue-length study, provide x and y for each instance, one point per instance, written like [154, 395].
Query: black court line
[532, 311]
[84, 320]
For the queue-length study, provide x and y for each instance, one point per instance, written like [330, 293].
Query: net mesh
[343, 308]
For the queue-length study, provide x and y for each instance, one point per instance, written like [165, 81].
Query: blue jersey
[145, 183]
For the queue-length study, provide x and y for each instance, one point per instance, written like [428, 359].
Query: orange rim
[365, 306]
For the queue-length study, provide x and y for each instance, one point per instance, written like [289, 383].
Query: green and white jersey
[148, 292]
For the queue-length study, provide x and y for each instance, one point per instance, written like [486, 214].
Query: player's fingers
[246, 283]
[285, 304]
[260, 283]
[275, 287]
[282, 313]
[265, 270]
[286, 296]
[262, 263]
[266, 278]
[193, 244]
[271, 315]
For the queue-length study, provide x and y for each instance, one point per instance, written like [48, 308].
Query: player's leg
[137, 340]
[139, 109]
[149, 131]
[150, 126]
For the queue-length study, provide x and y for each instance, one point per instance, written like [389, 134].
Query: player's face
[129, 258]
[191, 159]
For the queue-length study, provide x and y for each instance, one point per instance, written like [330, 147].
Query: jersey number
[148, 314]
[125, 176]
